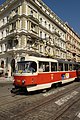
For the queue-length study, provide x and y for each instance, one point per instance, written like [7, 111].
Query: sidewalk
[6, 80]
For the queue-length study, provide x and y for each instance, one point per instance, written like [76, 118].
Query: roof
[66, 62]
[33, 58]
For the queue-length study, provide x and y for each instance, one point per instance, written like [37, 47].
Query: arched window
[22, 58]
[2, 64]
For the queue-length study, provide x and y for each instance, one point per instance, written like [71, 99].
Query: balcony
[49, 43]
[68, 48]
[78, 55]
[62, 39]
[74, 51]
[11, 33]
[13, 15]
[56, 33]
[57, 56]
[33, 18]
[68, 57]
[63, 49]
[11, 50]
[33, 50]
[57, 45]
[68, 41]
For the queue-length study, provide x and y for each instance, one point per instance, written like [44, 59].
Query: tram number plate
[18, 81]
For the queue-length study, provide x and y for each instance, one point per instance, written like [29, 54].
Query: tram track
[63, 109]
[10, 94]
[72, 112]
[44, 102]
[3, 104]
[4, 97]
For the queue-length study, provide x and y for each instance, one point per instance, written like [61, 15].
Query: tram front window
[27, 66]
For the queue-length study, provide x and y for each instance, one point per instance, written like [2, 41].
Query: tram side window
[74, 67]
[33, 66]
[43, 66]
[60, 67]
[53, 66]
[70, 66]
[66, 67]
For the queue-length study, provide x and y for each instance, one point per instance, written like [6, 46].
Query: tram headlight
[23, 82]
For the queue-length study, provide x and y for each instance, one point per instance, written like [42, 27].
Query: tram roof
[66, 62]
[40, 59]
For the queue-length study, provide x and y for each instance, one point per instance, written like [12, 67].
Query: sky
[67, 10]
[1, 1]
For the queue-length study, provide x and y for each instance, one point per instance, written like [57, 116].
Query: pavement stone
[6, 80]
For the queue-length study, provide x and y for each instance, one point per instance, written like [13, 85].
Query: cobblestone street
[56, 104]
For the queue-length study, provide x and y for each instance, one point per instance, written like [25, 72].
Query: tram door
[12, 66]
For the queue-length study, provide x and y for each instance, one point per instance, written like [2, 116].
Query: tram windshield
[26, 67]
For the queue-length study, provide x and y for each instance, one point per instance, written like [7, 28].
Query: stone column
[24, 8]
[9, 69]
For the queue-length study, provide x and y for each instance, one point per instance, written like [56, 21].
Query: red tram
[38, 73]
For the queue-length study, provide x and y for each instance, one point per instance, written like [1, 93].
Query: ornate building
[29, 27]
[72, 44]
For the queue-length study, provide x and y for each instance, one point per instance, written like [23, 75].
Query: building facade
[29, 27]
[72, 45]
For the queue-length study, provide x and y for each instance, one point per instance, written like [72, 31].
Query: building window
[32, 27]
[13, 26]
[40, 34]
[22, 58]
[45, 23]
[45, 36]
[49, 26]
[40, 48]
[10, 43]
[40, 20]
[31, 13]
[2, 64]
[3, 21]
[5, 47]
[2, 34]
[1, 48]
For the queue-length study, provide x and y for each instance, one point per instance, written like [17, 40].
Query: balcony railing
[73, 51]
[55, 32]
[32, 17]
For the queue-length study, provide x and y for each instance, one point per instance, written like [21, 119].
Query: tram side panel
[25, 80]
[44, 80]
[78, 74]
[49, 78]
[68, 76]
